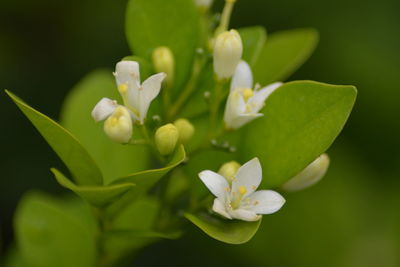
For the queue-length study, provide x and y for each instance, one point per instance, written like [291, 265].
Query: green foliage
[113, 159]
[301, 120]
[67, 147]
[172, 23]
[49, 233]
[283, 53]
[253, 42]
[96, 195]
[232, 232]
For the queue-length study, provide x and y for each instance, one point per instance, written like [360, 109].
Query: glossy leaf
[228, 231]
[113, 159]
[172, 23]
[253, 39]
[95, 195]
[301, 120]
[50, 235]
[146, 179]
[283, 53]
[67, 147]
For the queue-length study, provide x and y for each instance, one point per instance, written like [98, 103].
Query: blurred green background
[352, 218]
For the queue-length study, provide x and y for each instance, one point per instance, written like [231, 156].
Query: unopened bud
[229, 170]
[309, 176]
[166, 138]
[163, 61]
[228, 49]
[119, 125]
[185, 129]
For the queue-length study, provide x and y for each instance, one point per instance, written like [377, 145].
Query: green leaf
[48, 234]
[67, 147]
[146, 179]
[95, 195]
[301, 120]
[228, 231]
[283, 53]
[172, 23]
[253, 39]
[113, 159]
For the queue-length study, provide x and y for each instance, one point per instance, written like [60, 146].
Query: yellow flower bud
[229, 170]
[309, 176]
[119, 125]
[166, 138]
[185, 129]
[228, 50]
[163, 61]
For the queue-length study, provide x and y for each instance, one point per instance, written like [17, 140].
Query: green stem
[188, 90]
[226, 16]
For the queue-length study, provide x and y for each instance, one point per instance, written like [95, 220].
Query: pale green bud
[229, 170]
[119, 125]
[185, 129]
[163, 61]
[204, 5]
[228, 50]
[166, 138]
[309, 176]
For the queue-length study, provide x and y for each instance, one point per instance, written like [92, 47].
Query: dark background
[352, 218]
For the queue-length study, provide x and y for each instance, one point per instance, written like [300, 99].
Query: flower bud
[119, 125]
[229, 170]
[185, 129]
[163, 61]
[228, 49]
[309, 176]
[166, 138]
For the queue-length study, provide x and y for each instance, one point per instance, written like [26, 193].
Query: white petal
[220, 208]
[103, 109]
[243, 78]
[127, 72]
[249, 175]
[309, 176]
[243, 119]
[245, 215]
[259, 97]
[119, 125]
[216, 183]
[235, 107]
[265, 202]
[150, 89]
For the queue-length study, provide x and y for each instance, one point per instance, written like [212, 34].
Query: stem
[226, 16]
[102, 258]
[188, 90]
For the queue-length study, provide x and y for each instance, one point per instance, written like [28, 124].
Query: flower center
[247, 93]
[238, 196]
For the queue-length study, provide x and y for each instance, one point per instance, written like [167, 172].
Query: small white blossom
[239, 199]
[137, 97]
[244, 103]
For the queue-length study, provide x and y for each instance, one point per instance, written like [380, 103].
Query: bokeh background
[352, 218]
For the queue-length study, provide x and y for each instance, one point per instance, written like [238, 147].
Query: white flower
[309, 176]
[137, 97]
[244, 103]
[204, 3]
[239, 200]
[118, 124]
[228, 49]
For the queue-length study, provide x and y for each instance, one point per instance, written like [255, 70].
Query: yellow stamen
[123, 88]
[247, 93]
[242, 190]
